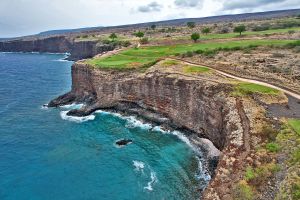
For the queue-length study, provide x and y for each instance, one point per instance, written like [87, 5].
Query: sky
[25, 17]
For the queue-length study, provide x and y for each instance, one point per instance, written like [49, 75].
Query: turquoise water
[44, 155]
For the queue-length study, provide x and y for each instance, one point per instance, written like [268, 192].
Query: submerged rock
[123, 142]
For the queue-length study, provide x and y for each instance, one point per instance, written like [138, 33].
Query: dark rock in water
[123, 142]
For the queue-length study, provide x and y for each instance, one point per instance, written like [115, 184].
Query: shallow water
[46, 155]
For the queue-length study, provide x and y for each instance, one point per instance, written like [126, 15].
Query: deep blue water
[45, 157]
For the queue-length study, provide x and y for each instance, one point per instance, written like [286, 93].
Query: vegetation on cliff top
[245, 88]
[138, 57]
[195, 69]
[295, 124]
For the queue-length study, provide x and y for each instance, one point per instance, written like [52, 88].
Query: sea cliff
[199, 105]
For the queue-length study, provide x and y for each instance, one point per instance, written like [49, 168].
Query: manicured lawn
[250, 88]
[134, 58]
[295, 124]
[195, 69]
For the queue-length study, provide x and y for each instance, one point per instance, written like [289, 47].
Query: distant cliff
[57, 44]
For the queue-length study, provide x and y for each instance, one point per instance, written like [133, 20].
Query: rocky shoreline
[214, 122]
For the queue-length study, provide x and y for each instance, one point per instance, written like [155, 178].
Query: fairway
[134, 58]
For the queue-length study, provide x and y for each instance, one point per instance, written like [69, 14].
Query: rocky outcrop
[58, 44]
[216, 122]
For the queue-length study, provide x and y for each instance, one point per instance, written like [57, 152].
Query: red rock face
[199, 105]
[195, 105]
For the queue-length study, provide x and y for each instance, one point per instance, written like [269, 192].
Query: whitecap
[150, 184]
[159, 129]
[133, 122]
[139, 165]
[76, 119]
[72, 106]
[45, 107]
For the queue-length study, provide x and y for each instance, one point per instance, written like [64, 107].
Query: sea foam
[139, 165]
[151, 182]
[64, 116]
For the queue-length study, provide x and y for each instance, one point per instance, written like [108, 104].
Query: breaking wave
[64, 116]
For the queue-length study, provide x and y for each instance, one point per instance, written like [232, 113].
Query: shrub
[206, 30]
[195, 37]
[291, 32]
[272, 147]
[189, 54]
[261, 28]
[224, 30]
[293, 44]
[269, 133]
[296, 189]
[153, 26]
[113, 36]
[259, 175]
[139, 34]
[242, 191]
[144, 40]
[240, 29]
[250, 174]
[191, 24]
[125, 43]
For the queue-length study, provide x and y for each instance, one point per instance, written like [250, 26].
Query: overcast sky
[24, 17]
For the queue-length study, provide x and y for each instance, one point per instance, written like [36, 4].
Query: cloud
[241, 4]
[151, 7]
[188, 3]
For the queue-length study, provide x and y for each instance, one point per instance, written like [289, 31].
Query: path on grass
[293, 94]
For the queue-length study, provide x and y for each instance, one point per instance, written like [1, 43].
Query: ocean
[46, 155]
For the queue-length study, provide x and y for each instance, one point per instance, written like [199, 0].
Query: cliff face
[59, 44]
[194, 104]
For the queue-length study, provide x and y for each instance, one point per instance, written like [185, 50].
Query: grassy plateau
[138, 57]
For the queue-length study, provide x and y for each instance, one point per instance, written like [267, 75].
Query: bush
[296, 190]
[125, 43]
[224, 30]
[272, 147]
[113, 36]
[260, 175]
[261, 28]
[291, 32]
[144, 40]
[139, 34]
[269, 133]
[195, 37]
[242, 191]
[240, 29]
[206, 30]
[191, 24]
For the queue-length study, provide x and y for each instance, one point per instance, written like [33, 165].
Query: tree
[240, 29]
[113, 36]
[195, 37]
[139, 34]
[153, 26]
[205, 30]
[191, 24]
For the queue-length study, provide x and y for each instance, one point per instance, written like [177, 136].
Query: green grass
[195, 69]
[244, 88]
[295, 124]
[134, 58]
[273, 147]
[169, 63]
[233, 35]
